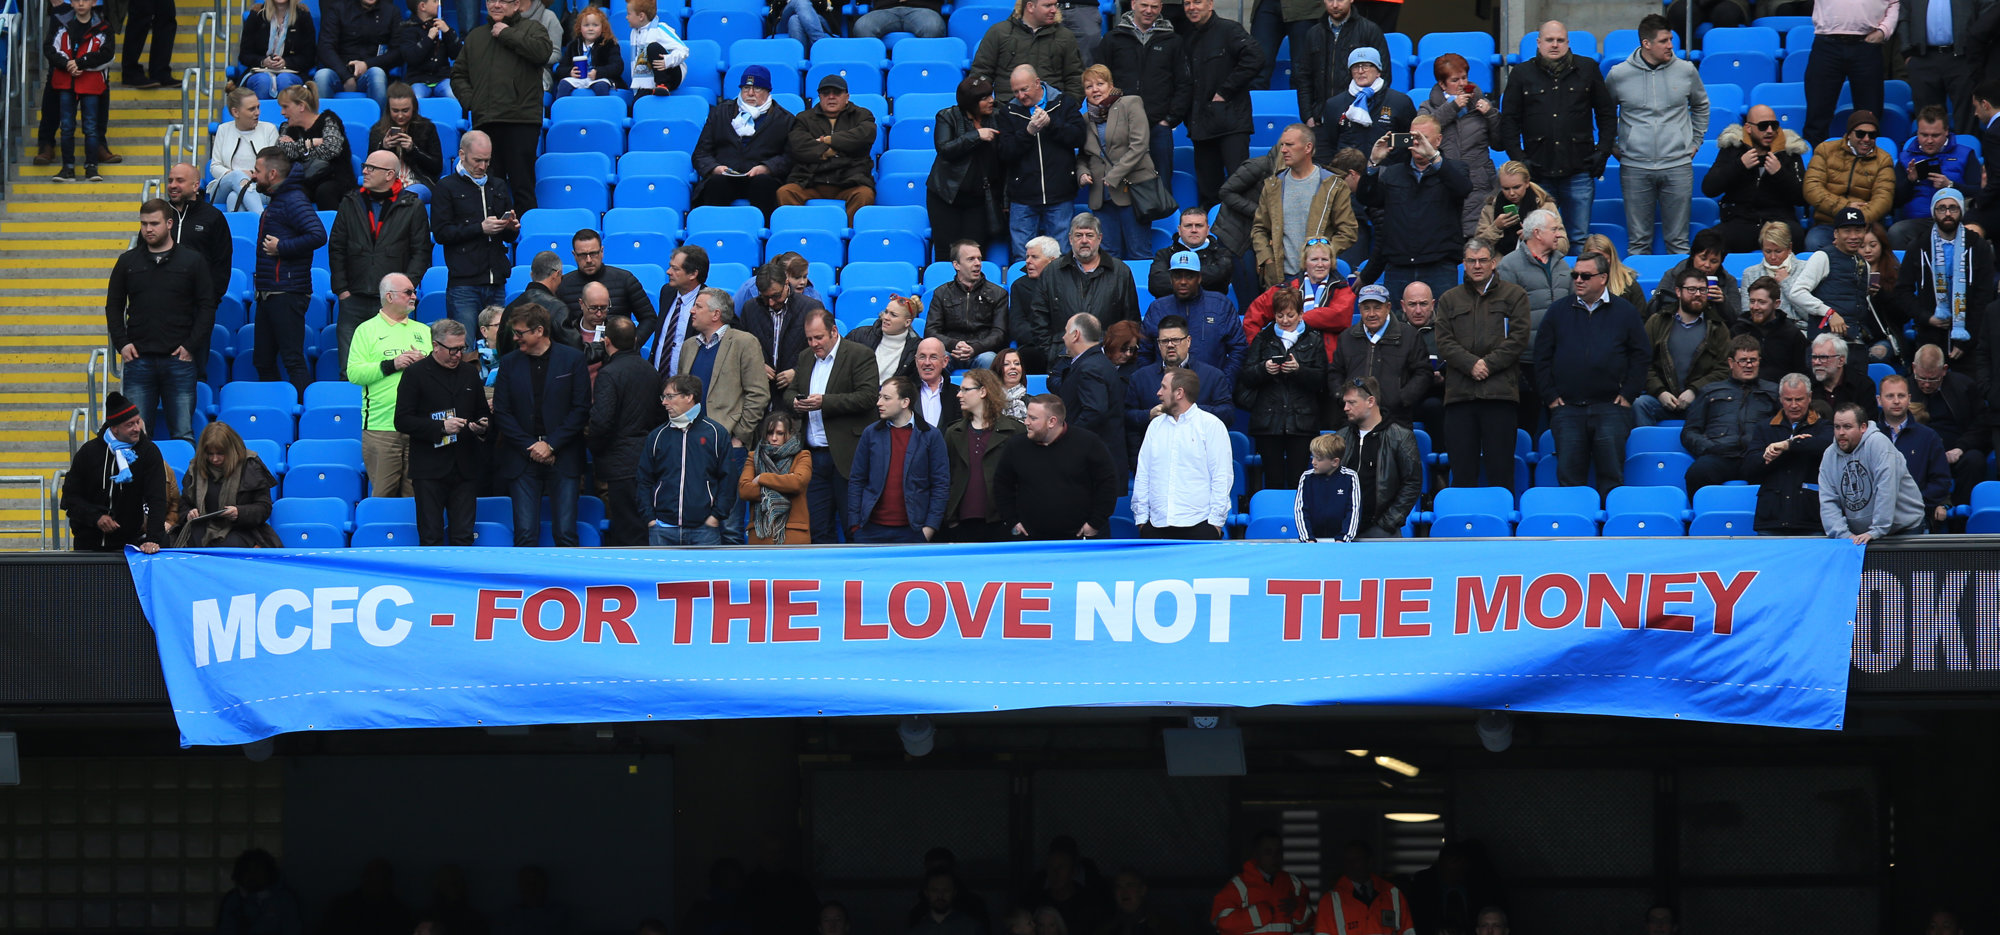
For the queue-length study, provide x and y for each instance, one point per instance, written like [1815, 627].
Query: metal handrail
[79, 414]
[97, 388]
[58, 530]
[149, 191]
[41, 485]
[170, 141]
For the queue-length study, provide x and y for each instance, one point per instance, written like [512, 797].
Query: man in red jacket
[1263, 899]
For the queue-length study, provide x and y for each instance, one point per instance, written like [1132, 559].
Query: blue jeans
[233, 192]
[441, 89]
[1584, 434]
[280, 338]
[683, 535]
[1440, 276]
[1124, 237]
[874, 534]
[726, 498]
[1672, 190]
[464, 303]
[1161, 145]
[1858, 64]
[925, 24]
[1026, 222]
[1574, 196]
[163, 379]
[1648, 410]
[1267, 26]
[804, 23]
[826, 499]
[1819, 239]
[92, 106]
[374, 82]
[268, 84]
[527, 491]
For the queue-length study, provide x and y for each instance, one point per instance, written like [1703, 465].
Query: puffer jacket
[1043, 165]
[1752, 194]
[1151, 68]
[1492, 327]
[1725, 416]
[1549, 112]
[1662, 111]
[1051, 49]
[1835, 176]
[845, 163]
[1222, 60]
[977, 316]
[289, 216]
[1282, 403]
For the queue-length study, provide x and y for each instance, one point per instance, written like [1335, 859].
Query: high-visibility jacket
[1342, 913]
[1249, 904]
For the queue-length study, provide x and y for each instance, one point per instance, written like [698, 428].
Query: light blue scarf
[123, 454]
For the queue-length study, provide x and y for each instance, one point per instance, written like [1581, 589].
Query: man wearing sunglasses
[441, 408]
[1758, 177]
[1849, 172]
[385, 346]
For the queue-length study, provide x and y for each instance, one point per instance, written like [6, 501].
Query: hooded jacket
[1835, 176]
[1753, 194]
[364, 248]
[1868, 489]
[1052, 49]
[510, 69]
[1222, 60]
[1787, 486]
[90, 45]
[139, 505]
[844, 164]
[1150, 66]
[1549, 113]
[288, 216]
[1041, 166]
[1662, 111]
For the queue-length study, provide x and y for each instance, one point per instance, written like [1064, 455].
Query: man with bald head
[1758, 177]
[473, 218]
[385, 346]
[937, 400]
[1566, 136]
[1041, 127]
[198, 225]
[379, 229]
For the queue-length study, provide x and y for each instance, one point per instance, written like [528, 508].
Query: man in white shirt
[937, 403]
[1182, 490]
[835, 398]
[687, 272]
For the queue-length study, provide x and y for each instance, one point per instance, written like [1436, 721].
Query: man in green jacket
[499, 79]
[383, 347]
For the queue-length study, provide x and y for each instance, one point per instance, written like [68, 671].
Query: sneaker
[90, 173]
[67, 174]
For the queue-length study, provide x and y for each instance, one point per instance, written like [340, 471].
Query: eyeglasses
[520, 333]
[450, 348]
[597, 308]
[1826, 356]
[370, 165]
[1862, 134]
[581, 254]
[1766, 125]
[1167, 340]
[411, 291]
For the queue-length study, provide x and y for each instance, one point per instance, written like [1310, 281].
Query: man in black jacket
[1944, 244]
[441, 406]
[1222, 64]
[1547, 116]
[624, 408]
[1758, 177]
[1421, 199]
[1040, 130]
[116, 490]
[159, 310]
[1725, 415]
[1319, 63]
[472, 216]
[969, 313]
[541, 405]
[1387, 348]
[1952, 402]
[1091, 390]
[778, 321]
[628, 295]
[1144, 54]
[1217, 261]
[380, 229]
[728, 165]
[1782, 459]
[357, 48]
[1028, 313]
[1062, 485]
[198, 225]
[1087, 282]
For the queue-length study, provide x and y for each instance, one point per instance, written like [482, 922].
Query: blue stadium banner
[256, 643]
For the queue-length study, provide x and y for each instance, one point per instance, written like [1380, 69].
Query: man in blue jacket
[1591, 355]
[681, 474]
[287, 234]
[541, 404]
[1211, 319]
[1920, 445]
[897, 489]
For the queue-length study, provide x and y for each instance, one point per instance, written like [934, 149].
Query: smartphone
[1511, 210]
[1874, 280]
[1927, 167]
[1402, 140]
[1280, 357]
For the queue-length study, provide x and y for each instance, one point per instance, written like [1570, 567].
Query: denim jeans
[1672, 190]
[1087, 24]
[683, 535]
[1858, 64]
[1026, 222]
[464, 303]
[441, 89]
[162, 379]
[1819, 238]
[1648, 410]
[804, 23]
[826, 499]
[527, 491]
[726, 498]
[1267, 26]
[280, 335]
[92, 106]
[1161, 145]
[890, 535]
[1574, 196]
[233, 192]
[268, 84]
[374, 82]
[1124, 237]
[925, 24]
[1587, 433]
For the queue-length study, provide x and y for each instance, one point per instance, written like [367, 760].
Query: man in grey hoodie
[1662, 117]
[1865, 488]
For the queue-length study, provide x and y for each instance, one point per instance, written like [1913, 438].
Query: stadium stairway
[57, 244]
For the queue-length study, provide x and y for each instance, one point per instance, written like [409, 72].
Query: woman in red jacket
[1329, 303]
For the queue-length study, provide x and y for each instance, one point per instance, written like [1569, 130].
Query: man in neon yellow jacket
[382, 348]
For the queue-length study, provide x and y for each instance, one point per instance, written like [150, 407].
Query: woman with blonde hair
[1779, 263]
[1624, 283]
[226, 495]
[278, 47]
[1509, 203]
[774, 481]
[317, 140]
[1117, 152]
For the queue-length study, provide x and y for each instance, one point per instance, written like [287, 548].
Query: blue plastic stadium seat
[384, 534]
[332, 511]
[1645, 438]
[1984, 522]
[1724, 523]
[901, 277]
[1725, 498]
[1272, 527]
[1276, 502]
[265, 422]
[330, 422]
[778, 50]
[572, 191]
[1469, 525]
[586, 136]
[275, 393]
[551, 229]
[1741, 39]
[338, 481]
[901, 189]
[492, 535]
[345, 451]
[1744, 69]
[310, 535]
[640, 235]
[861, 78]
[385, 510]
[1555, 525]
[1464, 501]
[969, 24]
[653, 106]
[888, 246]
[665, 135]
[943, 49]
[1658, 469]
[726, 27]
[1670, 501]
[910, 77]
[588, 108]
[176, 453]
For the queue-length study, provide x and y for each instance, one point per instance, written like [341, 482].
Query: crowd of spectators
[1373, 274]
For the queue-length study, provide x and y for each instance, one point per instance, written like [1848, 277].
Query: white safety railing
[41, 485]
[58, 531]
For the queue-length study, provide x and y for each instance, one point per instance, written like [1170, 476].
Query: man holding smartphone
[1933, 160]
